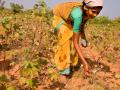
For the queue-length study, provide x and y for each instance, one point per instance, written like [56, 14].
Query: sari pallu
[65, 54]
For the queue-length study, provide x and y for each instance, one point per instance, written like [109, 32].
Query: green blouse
[76, 16]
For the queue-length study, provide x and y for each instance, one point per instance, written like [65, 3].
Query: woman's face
[91, 13]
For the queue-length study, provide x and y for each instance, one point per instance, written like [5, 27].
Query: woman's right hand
[78, 49]
[86, 70]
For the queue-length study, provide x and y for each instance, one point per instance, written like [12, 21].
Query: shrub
[102, 20]
[16, 8]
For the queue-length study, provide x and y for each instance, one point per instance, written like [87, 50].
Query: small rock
[117, 75]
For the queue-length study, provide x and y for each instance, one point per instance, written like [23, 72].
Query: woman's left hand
[84, 43]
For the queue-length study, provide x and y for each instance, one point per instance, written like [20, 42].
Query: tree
[40, 9]
[16, 8]
[2, 4]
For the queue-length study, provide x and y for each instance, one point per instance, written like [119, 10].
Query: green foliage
[12, 32]
[5, 22]
[3, 78]
[22, 80]
[6, 83]
[16, 8]
[30, 69]
[102, 20]
[11, 88]
[31, 83]
[41, 9]
[117, 20]
[16, 26]
[53, 75]
[28, 12]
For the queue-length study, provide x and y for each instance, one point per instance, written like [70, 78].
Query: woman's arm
[77, 17]
[82, 33]
[78, 49]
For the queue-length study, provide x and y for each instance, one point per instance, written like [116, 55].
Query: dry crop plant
[31, 38]
[10, 38]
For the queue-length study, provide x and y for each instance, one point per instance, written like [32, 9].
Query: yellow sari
[65, 53]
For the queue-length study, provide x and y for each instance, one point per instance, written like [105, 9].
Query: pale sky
[111, 7]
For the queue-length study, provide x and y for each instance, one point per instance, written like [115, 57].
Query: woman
[68, 23]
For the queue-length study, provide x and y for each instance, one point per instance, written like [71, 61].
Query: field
[26, 53]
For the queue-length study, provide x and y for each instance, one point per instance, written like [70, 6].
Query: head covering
[93, 3]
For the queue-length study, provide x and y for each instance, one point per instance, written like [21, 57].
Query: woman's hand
[78, 49]
[86, 70]
[84, 43]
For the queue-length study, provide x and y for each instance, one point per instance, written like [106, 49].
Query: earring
[85, 8]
